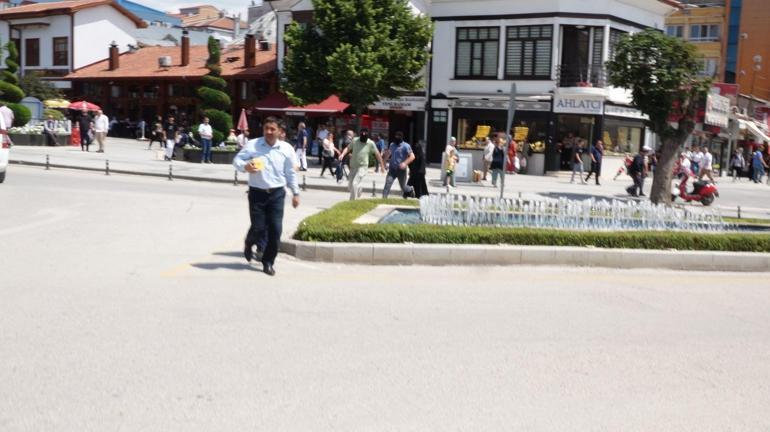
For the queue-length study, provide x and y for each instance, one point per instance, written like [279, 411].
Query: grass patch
[746, 221]
[336, 225]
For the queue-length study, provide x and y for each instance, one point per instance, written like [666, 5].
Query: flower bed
[34, 136]
[219, 155]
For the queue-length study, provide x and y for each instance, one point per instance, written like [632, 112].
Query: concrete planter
[38, 140]
[536, 164]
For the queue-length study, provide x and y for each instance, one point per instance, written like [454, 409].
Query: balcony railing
[573, 75]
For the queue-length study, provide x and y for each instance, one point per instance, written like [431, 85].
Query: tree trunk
[661, 184]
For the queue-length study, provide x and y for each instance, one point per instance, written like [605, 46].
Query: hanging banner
[717, 110]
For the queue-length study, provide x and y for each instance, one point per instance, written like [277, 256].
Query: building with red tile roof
[56, 38]
[159, 80]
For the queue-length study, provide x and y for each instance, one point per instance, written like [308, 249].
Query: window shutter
[463, 61]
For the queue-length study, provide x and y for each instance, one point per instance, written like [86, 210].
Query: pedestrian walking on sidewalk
[399, 155]
[637, 171]
[101, 126]
[301, 142]
[758, 165]
[344, 143]
[450, 162]
[706, 165]
[359, 150]
[577, 161]
[85, 123]
[737, 164]
[170, 133]
[498, 158]
[321, 134]
[417, 171]
[207, 134]
[270, 164]
[157, 133]
[329, 153]
[597, 153]
[489, 148]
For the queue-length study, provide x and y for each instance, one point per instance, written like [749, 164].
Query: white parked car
[4, 155]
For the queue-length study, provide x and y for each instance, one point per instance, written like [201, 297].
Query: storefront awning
[754, 129]
[279, 102]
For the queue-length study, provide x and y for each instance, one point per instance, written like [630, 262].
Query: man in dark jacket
[84, 123]
[638, 171]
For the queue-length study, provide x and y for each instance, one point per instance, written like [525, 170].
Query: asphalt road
[125, 306]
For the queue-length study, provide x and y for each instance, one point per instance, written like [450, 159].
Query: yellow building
[704, 27]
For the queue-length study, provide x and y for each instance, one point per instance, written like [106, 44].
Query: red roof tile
[36, 10]
[144, 64]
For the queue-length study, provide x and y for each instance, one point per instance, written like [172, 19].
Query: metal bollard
[107, 167]
[47, 162]
[235, 179]
[170, 173]
[739, 212]
[304, 182]
[374, 189]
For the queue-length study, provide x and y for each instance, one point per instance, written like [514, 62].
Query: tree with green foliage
[33, 86]
[215, 102]
[662, 74]
[360, 50]
[10, 92]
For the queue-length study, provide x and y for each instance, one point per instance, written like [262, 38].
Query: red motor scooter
[703, 191]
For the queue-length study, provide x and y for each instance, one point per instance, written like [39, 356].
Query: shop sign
[627, 112]
[380, 125]
[295, 113]
[501, 104]
[578, 104]
[404, 103]
[717, 110]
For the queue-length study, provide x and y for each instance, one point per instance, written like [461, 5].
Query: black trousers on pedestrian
[85, 139]
[596, 169]
[638, 187]
[329, 162]
[266, 213]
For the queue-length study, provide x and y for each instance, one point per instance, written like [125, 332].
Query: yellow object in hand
[259, 163]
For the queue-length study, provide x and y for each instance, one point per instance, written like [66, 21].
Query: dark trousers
[50, 139]
[329, 162]
[266, 213]
[638, 187]
[596, 169]
[85, 140]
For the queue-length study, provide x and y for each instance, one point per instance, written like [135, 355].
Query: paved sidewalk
[132, 157]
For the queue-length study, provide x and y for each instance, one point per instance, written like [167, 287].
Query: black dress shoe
[247, 252]
[268, 269]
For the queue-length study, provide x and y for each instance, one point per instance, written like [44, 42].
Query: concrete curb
[331, 188]
[493, 255]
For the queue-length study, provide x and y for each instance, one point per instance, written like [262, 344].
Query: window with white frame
[476, 54]
[704, 32]
[675, 31]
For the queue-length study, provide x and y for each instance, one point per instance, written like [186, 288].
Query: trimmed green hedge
[214, 82]
[21, 114]
[336, 225]
[10, 92]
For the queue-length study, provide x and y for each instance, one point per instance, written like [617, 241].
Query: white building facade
[55, 39]
[554, 51]
[406, 114]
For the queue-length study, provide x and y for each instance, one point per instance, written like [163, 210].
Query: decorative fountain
[590, 214]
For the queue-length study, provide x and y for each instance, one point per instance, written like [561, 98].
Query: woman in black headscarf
[417, 172]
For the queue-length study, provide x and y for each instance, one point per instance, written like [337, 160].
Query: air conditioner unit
[164, 61]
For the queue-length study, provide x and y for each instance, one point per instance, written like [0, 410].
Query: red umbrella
[83, 106]
[243, 122]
